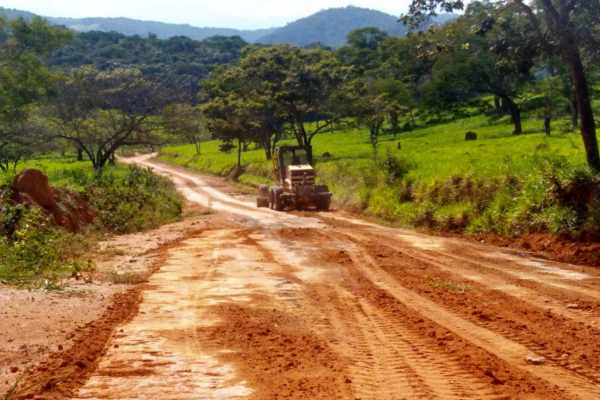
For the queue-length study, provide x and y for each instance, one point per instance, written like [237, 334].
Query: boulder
[34, 184]
[470, 136]
[68, 209]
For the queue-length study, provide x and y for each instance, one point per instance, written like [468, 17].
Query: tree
[100, 112]
[231, 120]
[238, 90]
[496, 59]
[558, 28]
[278, 88]
[299, 86]
[187, 122]
[373, 99]
[24, 80]
[362, 50]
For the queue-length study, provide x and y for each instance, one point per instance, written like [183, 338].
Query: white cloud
[229, 13]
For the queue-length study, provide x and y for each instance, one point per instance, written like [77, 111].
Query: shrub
[394, 167]
[136, 201]
[470, 136]
[37, 251]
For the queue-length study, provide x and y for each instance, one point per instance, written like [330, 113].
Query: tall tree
[493, 59]
[300, 85]
[187, 122]
[100, 112]
[558, 31]
[24, 80]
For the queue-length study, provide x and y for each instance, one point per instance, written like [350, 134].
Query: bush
[136, 201]
[37, 251]
[470, 136]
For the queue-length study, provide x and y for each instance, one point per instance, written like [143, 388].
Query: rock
[535, 359]
[34, 184]
[573, 306]
[68, 209]
[470, 136]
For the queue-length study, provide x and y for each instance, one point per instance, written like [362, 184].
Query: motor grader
[295, 188]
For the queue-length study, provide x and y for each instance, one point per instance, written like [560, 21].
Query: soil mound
[68, 209]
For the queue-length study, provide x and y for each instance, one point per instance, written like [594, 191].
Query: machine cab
[293, 168]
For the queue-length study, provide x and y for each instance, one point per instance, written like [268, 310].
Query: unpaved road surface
[323, 306]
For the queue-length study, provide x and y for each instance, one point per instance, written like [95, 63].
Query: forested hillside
[128, 26]
[179, 61]
[328, 27]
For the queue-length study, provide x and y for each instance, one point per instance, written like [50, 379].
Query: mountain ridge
[328, 27]
[130, 26]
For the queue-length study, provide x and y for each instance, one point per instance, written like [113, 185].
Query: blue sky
[221, 13]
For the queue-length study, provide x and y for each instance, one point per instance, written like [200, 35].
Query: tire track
[388, 361]
[505, 349]
[492, 279]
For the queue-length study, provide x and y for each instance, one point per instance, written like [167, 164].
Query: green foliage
[33, 251]
[136, 201]
[178, 62]
[37, 251]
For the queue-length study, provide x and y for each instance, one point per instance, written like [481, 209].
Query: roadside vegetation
[34, 251]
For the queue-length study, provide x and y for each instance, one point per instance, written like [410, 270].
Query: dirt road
[322, 306]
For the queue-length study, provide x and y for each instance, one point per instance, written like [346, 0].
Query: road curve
[324, 306]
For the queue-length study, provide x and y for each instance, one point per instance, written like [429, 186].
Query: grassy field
[434, 153]
[433, 177]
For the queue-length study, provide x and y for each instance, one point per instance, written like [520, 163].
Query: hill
[130, 27]
[178, 61]
[328, 27]
[331, 27]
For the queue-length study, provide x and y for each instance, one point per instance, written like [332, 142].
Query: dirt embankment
[582, 252]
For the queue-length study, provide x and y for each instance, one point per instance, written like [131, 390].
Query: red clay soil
[64, 371]
[68, 209]
[280, 358]
[572, 345]
[511, 382]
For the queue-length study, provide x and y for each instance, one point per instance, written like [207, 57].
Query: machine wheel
[262, 200]
[277, 201]
[324, 204]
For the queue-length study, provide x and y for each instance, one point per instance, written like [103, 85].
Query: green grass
[435, 153]
[491, 184]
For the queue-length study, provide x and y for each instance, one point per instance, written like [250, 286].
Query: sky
[218, 13]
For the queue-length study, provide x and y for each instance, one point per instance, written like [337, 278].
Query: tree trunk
[394, 122]
[547, 125]
[574, 111]
[197, 147]
[497, 105]
[515, 114]
[267, 147]
[79, 154]
[239, 157]
[584, 105]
